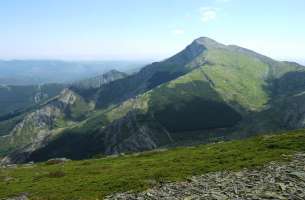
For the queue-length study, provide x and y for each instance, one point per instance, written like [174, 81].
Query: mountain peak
[204, 39]
[208, 43]
[193, 50]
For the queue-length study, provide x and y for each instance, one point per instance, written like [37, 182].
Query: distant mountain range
[32, 72]
[205, 93]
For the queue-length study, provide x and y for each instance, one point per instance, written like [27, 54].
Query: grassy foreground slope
[93, 179]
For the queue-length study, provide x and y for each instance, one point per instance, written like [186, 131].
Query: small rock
[282, 186]
[57, 161]
[7, 179]
[273, 195]
[300, 175]
[21, 197]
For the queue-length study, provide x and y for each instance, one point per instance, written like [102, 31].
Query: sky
[147, 29]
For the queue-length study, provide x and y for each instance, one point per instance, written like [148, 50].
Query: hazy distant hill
[32, 72]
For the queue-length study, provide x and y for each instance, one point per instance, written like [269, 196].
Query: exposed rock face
[43, 118]
[36, 127]
[67, 97]
[273, 181]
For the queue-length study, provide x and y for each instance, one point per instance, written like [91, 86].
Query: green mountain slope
[207, 92]
[38, 125]
[98, 81]
[26, 131]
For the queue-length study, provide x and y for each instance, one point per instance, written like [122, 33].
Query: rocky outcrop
[273, 181]
[36, 128]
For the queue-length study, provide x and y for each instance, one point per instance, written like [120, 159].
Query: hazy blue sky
[147, 29]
